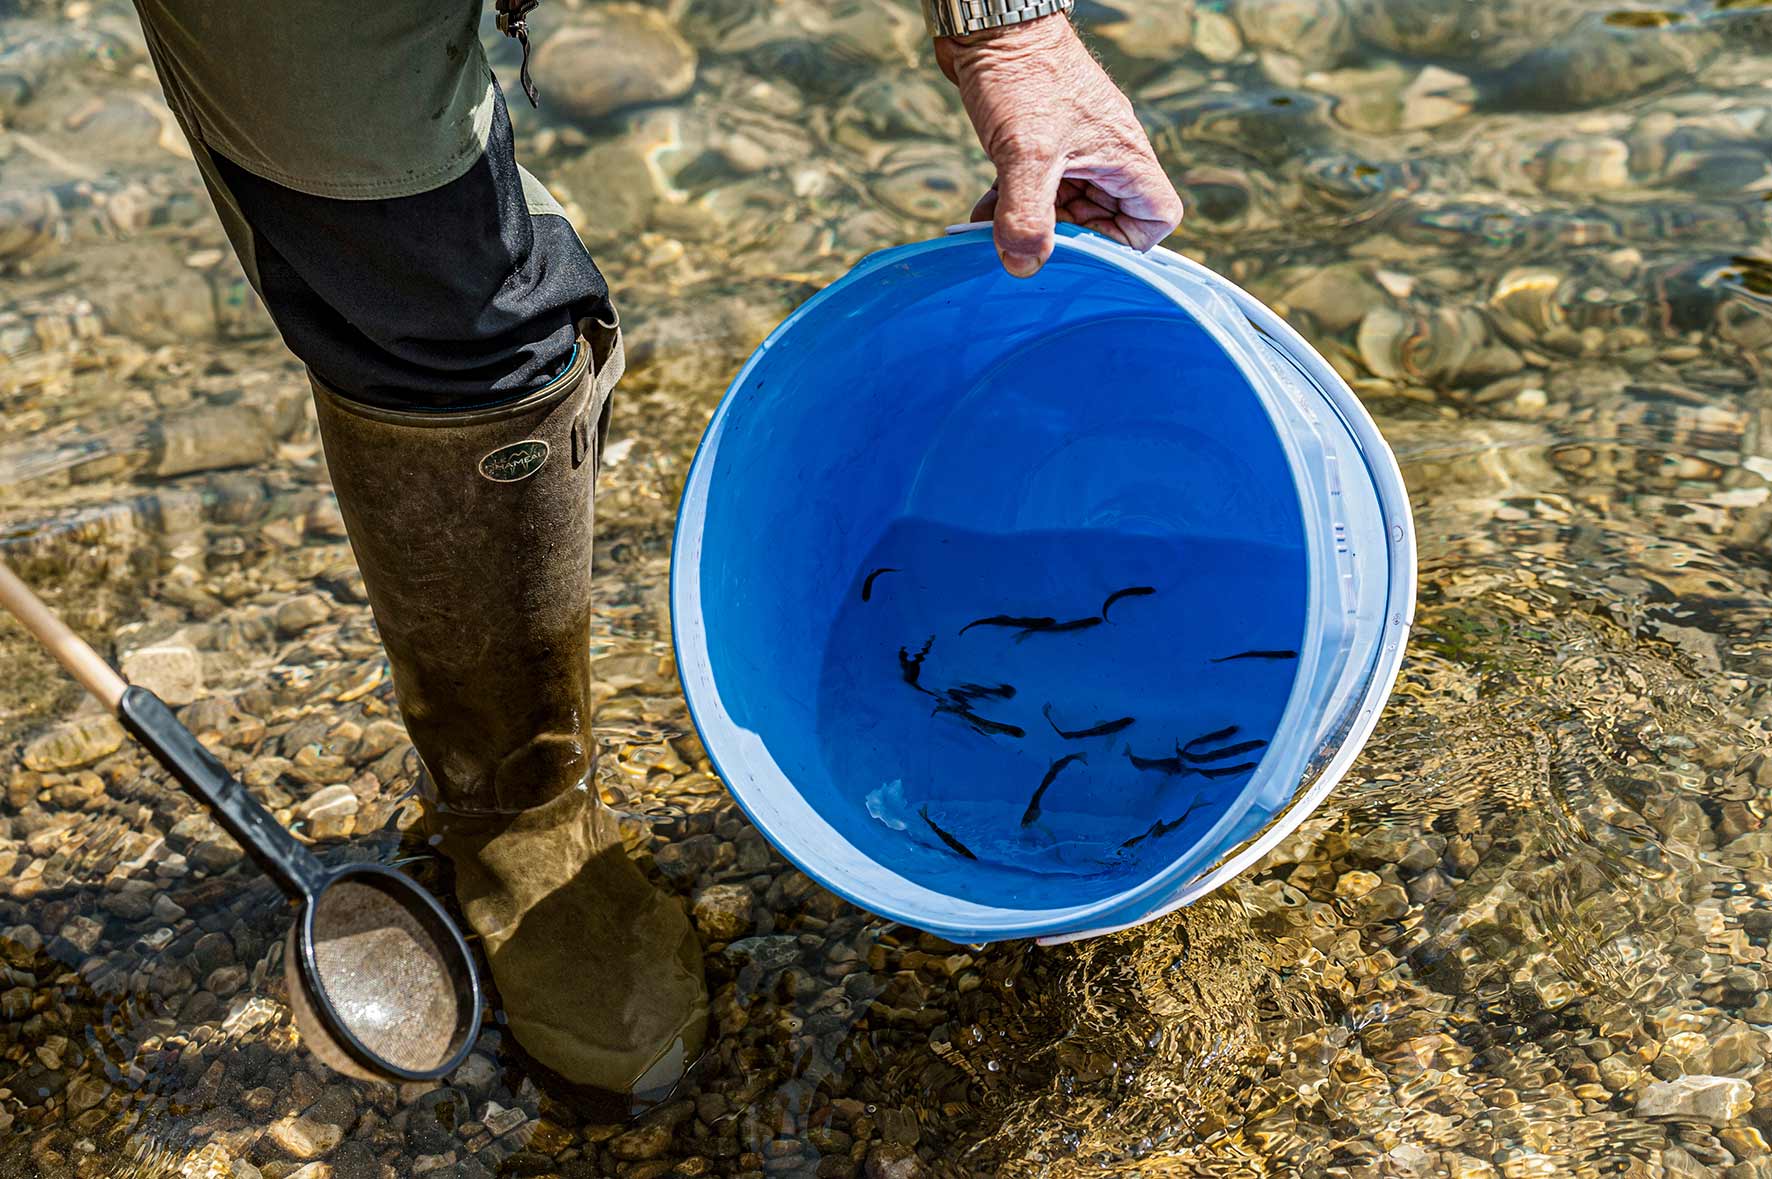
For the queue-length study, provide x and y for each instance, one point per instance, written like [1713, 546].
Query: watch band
[957, 18]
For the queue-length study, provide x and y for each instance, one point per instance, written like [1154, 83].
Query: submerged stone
[1717, 1100]
[303, 1138]
[74, 744]
[770, 953]
[208, 439]
[1315, 31]
[173, 672]
[723, 911]
[618, 56]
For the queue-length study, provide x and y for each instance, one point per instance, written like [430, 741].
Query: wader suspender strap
[513, 21]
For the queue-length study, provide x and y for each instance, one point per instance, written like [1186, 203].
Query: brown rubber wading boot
[473, 534]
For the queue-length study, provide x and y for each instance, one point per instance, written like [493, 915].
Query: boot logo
[516, 462]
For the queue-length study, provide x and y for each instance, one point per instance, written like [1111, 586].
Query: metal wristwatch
[958, 18]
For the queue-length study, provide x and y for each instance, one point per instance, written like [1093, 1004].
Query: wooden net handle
[69, 649]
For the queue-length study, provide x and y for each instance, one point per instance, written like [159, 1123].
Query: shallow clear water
[1534, 238]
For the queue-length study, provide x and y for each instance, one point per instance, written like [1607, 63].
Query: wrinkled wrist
[1043, 34]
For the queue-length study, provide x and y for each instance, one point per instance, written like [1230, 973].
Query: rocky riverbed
[1527, 937]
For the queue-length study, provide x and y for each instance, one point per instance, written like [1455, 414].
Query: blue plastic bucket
[1036, 608]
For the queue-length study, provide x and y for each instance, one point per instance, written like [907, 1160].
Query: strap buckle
[513, 21]
[512, 14]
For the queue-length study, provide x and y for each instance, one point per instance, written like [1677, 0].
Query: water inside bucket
[1137, 678]
[1095, 438]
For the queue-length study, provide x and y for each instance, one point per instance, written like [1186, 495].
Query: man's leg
[462, 349]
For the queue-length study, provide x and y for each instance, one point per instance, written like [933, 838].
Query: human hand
[1064, 139]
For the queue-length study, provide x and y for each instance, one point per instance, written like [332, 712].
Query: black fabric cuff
[449, 299]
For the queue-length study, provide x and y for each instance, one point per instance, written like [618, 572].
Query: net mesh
[386, 976]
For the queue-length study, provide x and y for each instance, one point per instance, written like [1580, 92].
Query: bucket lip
[1399, 523]
[1399, 616]
[1232, 331]
[999, 924]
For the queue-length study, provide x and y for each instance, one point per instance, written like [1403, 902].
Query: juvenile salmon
[1058, 627]
[981, 724]
[981, 691]
[1223, 734]
[1169, 765]
[1009, 620]
[1101, 730]
[1257, 655]
[1033, 812]
[1162, 828]
[1132, 591]
[1228, 771]
[1229, 751]
[911, 666]
[945, 837]
[867, 587]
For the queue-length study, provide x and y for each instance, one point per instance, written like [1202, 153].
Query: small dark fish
[1223, 734]
[1007, 620]
[1169, 765]
[1058, 627]
[1162, 828]
[1257, 655]
[1228, 771]
[1157, 828]
[1101, 730]
[867, 587]
[1229, 751]
[982, 691]
[983, 724]
[1134, 591]
[1033, 812]
[945, 837]
[912, 665]
[992, 728]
